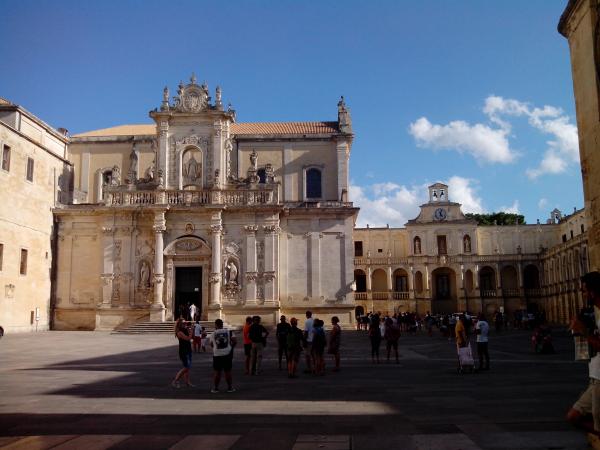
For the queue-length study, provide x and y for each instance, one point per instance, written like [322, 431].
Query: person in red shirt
[247, 344]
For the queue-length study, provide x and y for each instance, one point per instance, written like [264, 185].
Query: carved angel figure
[231, 273]
[144, 274]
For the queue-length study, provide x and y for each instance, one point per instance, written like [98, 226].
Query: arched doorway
[361, 280]
[379, 285]
[487, 282]
[443, 291]
[509, 281]
[400, 286]
[531, 283]
[469, 282]
[188, 265]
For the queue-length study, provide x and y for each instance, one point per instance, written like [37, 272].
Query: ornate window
[467, 244]
[313, 189]
[417, 245]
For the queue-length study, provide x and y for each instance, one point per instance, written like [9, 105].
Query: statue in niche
[115, 179]
[231, 273]
[149, 173]
[145, 274]
[192, 170]
[254, 160]
[133, 164]
[467, 244]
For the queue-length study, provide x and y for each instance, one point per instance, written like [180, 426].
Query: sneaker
[214, 391]
[191, 385]
[231, 389]
[175, 384]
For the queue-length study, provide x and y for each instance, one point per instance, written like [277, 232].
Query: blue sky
[475, 93]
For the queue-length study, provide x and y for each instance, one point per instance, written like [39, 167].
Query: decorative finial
[218, 102]
[165, 101]
[344, 120]
[193, 78]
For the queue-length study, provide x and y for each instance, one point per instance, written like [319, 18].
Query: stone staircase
[167, 327]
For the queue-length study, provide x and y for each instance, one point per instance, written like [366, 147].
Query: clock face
[440, 214]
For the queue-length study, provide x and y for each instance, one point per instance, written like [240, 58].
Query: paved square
[97, 390]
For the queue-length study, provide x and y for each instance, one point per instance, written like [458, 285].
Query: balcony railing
[232, 197]
[405, 295]
[488, 293]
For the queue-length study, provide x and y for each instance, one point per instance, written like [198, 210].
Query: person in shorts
[197, 342]
[222, 341]
[585, 413]
[184, 336]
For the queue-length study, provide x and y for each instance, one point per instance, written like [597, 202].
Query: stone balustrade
[230, 197]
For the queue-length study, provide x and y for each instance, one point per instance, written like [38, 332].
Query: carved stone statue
[254, 160]
[218, 102]
[145, 274]
[115, 179]
[192, 171]
[231, 275]
[149, 174]
[133, 165]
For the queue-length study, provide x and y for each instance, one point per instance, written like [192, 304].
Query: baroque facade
[580, 24]
[238, 218]
[443, 262]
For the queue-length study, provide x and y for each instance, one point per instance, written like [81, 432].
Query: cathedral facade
[237, 218]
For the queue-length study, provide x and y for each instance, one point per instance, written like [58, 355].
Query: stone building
[238, 218]
[580, 24]
[34, 178]
[443, 262]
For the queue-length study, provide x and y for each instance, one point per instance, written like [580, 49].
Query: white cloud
[391, 204]
[513, 209]
[464, 191]
[490, 144]
[543, 203]
[484, 143]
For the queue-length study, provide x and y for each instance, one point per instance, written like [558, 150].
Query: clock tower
[439, 208]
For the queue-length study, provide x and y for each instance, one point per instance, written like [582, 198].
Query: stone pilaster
[251, 269]
[157, 312]
[271, 263]
[343, 156]
[108, 275]
[216, 230]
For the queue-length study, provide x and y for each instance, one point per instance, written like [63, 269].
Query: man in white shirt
[308, 339]
[586, 410]
[482, 330]
[222, 342]
[193, 312]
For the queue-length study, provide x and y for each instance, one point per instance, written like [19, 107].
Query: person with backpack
[334, 342]
[294, 346]
[258, 335]
[222, 341]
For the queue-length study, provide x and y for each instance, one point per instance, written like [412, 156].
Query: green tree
[497, 218]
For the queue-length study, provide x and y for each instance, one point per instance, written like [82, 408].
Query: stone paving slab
[118, 387]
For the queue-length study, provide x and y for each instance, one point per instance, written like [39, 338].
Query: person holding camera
[585, 413]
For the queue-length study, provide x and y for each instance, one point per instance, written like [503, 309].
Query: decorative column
[162, 158]
[271, 263]
[108, 265]
[157, 311]
[216, 230]
[218, 154]
[251, 272]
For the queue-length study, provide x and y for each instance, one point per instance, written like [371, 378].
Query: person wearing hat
[283, 328]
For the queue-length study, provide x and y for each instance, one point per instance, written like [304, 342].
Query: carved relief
[260, 255]
[215, 277]
[144, 274]
[251, 277]
[191, 98]
[271, 229]
[188, 245]
[189, 228]
[216, 229]
[251, 229]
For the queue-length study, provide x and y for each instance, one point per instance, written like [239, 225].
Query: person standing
[193, 311]
[585, 413]
[318, 347]
[294, 347]
[258, 335]
[391, 336]
[482, 330]
[184, 336]
[308, 340]
[247, 345]
[222, 341]
[283, 328]
[375, 337]
[335, 339]
[197, 342]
